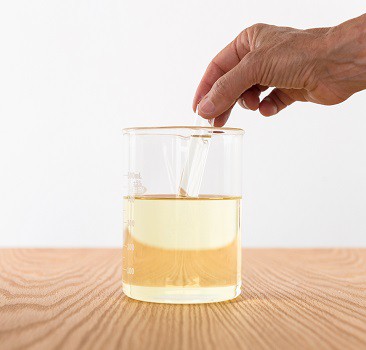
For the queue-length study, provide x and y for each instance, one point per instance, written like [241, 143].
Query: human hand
[322, 65]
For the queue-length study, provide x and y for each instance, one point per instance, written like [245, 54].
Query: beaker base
[181, 295]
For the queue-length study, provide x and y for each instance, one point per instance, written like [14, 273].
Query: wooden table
[291, 299]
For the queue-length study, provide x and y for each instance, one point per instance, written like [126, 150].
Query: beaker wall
[181, 249]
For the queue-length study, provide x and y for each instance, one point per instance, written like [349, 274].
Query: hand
[323, 65]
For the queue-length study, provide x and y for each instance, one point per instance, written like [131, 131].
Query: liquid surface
[181, 247]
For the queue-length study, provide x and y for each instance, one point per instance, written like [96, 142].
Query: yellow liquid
[182, 250]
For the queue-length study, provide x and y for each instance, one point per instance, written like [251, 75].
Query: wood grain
[291, 299]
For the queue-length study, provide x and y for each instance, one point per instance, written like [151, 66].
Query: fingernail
[212, 121]
[274, 108]
[206, 106]
[244, 104]
[199, 98]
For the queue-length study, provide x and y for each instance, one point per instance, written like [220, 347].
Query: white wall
[74, 73]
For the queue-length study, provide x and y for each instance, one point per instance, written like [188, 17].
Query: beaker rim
[172, 129]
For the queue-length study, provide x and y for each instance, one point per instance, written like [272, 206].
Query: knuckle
[260, 26]
[257, 27]
[255, 32]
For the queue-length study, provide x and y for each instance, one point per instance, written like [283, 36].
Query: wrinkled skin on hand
[322, 65]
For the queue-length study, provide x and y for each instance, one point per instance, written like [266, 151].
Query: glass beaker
[180, 248]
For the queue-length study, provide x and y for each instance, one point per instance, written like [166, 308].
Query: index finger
[223, 62]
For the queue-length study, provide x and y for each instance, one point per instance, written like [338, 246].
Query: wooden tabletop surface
[291, 299]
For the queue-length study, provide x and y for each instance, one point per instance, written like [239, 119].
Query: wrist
[351, 32]
[346, 54]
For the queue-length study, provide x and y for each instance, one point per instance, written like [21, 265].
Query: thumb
[227, 89]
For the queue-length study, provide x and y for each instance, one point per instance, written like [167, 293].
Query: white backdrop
[74, 73]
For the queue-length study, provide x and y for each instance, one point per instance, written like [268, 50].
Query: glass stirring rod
[192, 174]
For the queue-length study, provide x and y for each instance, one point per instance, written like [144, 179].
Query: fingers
[227, 89]
[213, 72]
[225, 60]
[250, 98]
[277, 100]
[221, 119]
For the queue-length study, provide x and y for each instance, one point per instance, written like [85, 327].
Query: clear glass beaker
[182, 248]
